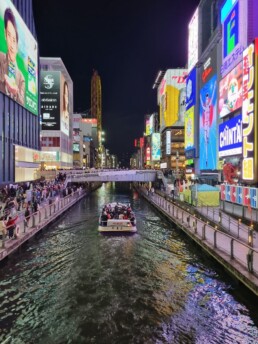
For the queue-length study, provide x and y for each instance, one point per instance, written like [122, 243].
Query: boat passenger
[104, 219]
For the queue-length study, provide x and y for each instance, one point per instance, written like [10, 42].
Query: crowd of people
[117, 211]
[25, 199]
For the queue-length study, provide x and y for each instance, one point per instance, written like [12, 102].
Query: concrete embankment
[236, 256]
[39, 220]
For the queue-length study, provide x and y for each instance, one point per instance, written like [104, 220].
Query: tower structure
[96, 103]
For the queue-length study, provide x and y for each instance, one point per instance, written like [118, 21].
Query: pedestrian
[26, 217]
[10, 226]
[173, 191]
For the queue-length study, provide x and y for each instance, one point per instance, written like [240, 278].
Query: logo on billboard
[191, 89]
[230, 137]
[48, 81]
[231, 31]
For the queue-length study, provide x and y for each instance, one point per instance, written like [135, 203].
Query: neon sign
[248, 114]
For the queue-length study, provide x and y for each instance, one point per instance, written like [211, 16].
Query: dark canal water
[74, 285]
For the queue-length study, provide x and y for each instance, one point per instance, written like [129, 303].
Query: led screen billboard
[208, 119]
[65, 101]
[193, 41]
[189, 128]
[155, 146]
[76, 147]
[191, 89]
[230, 91]
[50, 100]
[151, 124]
[168, 142]
[234, 20]
[147, 129]
[18, 58]
[169, 96]
[231, 137]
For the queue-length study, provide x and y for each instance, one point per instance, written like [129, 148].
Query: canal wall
[39, 220]
[235, 255]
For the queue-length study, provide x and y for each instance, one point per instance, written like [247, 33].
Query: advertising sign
[147, 155]
[65, 106]
[234, 33]
[189, 128]
[151, 123]
[168, 142]
[230, 91]
[18, 58]
[155, 146]
[76, 147]
[147, 129]
[230, 137]
[50, 100]
[248, 164]
[193, 35]
[191, 89]
[209, 68]
[168, 96]
[208, 119]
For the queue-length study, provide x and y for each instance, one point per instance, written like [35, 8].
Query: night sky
[127, 42]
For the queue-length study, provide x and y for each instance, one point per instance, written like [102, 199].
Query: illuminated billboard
[191, 89]
[189, 128]
[65, 102]
[18, 58]
[50, 100]
[168, 142]
[76, 147]
[155, 146]
[147, 128]
[208, 120]
[193, 35]
[169, 96]
[231, 137]
[151, 123]
[234, 20]
[230, 91]
[249, 120]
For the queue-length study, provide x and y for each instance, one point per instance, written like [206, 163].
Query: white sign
[193, 41]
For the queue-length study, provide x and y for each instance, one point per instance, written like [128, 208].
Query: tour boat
[117, 218]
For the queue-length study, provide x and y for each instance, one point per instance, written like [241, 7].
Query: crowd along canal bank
[238, 257]
[41, 219]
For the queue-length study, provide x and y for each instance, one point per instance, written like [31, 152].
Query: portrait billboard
[18, 58]
[169, 94]
[147, 127]
[189, 128]
[208, 120]
[155, 146]
[151, 123]
[234, 21]
[193, 34]
[230, 91]
[191, 89]
[231, 137]
[50, 100]
[65, 101]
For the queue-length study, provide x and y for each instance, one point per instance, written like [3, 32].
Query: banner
[18, 58]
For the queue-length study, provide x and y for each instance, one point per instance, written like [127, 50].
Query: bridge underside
[114, 176]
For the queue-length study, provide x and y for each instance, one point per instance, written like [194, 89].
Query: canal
[71, 284]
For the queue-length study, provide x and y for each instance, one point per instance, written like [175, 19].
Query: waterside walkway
[228, 241]
[38, 220]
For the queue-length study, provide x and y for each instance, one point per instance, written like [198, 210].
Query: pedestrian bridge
[76, 176]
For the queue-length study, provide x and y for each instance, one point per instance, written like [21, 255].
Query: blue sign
[191, 89]
[239, 195]
[227, 195]
[253, 197]
[231, 137]
[231, 31]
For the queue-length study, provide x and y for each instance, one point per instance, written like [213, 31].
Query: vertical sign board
[50, 99]
[249, 130]
[189, 128]
[155, 146]
[193, 40]
[191, 89]
[168, 142]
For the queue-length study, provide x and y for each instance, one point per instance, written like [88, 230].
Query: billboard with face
[234, 33]
[168, 96]
[50, 100]
[208, 120]
[65, 106]
[18, 58]
[230, 91]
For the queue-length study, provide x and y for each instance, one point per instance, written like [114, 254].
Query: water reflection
[74, 285]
